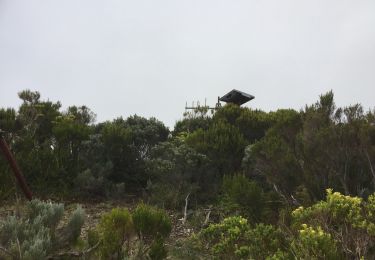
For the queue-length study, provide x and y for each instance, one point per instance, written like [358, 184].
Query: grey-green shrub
[74, 226]
[49, 213]
[33, 235]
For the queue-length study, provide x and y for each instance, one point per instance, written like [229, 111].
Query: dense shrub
[243, 196]
[341, 227]
[314, 243]
[348, 220]
[176, 170]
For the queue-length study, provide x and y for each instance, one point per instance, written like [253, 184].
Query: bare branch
[75, 254]
[7, 252]
[185, 210]
[371, 168]
[205, 223]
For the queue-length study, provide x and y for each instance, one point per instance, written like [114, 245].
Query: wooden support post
[16, 170]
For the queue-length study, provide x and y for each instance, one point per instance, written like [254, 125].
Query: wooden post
[13, 164]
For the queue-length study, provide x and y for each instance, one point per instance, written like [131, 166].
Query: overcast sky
[148, 57]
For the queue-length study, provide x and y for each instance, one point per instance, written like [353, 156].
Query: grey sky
[150, 57]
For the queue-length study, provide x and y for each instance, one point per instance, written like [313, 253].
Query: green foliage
[273, 157]
[152, 226]
[341, 227]
[286, 155]
[223, 143]
[33, 235]
[116, 228]
[93, 237]
[244, 196]
[157, 249]
[192, 121]
[322, 146]
[234, 238]
[150, 222]
[223, 238]
[370, 209]
[94, 180]
[127, 144]
[176, 170]
[264, 241]
[252, 124]
[146, 133]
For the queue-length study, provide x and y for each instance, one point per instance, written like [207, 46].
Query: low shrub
[152, 226]
[34, 234]
[234, 238]
[116, 228]
[140, 235]
[242, 196]
[151, 222]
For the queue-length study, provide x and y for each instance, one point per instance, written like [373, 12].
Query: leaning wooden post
[13, 164]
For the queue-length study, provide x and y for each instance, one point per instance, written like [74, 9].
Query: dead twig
[185, 210]
[7, 252]
[207, 219]
[19, 248]
[75, 254]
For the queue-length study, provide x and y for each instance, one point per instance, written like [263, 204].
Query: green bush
[223, 238]
[116, 228]
[165, 196]
[157, 249]
[242, 196]
[234, 238]
[152, 226]
[150, 222]
[93, 237]
[263, 241]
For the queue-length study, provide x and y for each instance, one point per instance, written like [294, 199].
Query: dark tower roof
[236, 97]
